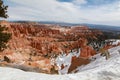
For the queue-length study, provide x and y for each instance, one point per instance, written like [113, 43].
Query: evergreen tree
[3, 10]
[4, 36]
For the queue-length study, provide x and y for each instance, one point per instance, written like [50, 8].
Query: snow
[66, 61]
[114, 41]
[99, 69]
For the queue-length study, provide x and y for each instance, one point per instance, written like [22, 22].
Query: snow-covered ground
[100, 69]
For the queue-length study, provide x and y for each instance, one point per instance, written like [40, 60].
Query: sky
[105, 12]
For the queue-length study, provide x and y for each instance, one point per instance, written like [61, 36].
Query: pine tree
[4, 36]
[3, 10]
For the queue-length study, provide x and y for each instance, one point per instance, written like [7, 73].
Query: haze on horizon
[105, 12]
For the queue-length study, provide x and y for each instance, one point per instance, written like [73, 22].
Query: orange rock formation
[39, 43]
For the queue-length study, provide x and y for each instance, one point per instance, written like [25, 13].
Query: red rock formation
[39, 42]
[87, 52]
[76, 62]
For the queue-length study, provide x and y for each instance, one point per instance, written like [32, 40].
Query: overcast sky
[72, 11]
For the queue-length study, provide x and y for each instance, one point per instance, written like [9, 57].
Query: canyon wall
[37, 45]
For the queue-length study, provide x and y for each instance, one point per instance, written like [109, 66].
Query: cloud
[107, 13]
[73, 12]
[47, 10]
[79, 2]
